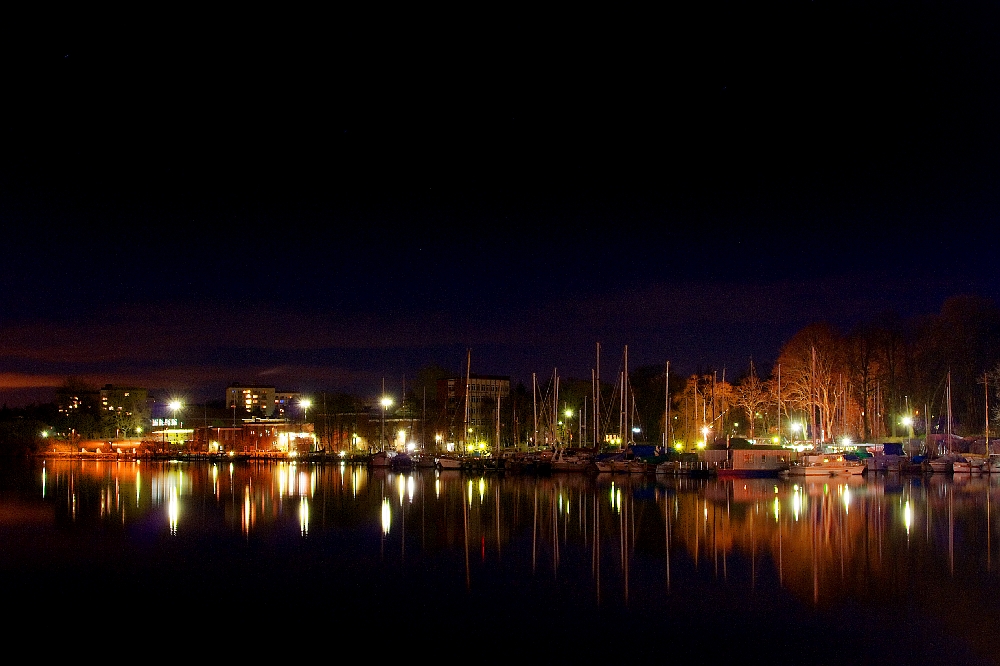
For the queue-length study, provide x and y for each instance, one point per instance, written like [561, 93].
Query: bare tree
[812, 365]
[751, 395]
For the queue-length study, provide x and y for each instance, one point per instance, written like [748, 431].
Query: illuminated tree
[812, 370]
[751, 395]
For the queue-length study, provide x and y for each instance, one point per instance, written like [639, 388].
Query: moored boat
[754, 463]
[968, 464]
[571, 462]
[823, 466]
[380, 459]
[448, 462]
[941, 464]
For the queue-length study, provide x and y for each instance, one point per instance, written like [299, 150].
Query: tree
[751, 395]
[812, 368]
[863, 368]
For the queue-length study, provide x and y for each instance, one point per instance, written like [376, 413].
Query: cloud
[15, 380]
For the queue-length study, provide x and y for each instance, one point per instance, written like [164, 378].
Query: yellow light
[173, 510]
[386, 402]
[701, 445]
[386, 515]
[679, 446]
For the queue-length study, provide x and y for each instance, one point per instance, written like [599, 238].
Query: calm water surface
[884, 570]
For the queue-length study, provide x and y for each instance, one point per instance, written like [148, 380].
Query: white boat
[608, 464]
[941, 464]
[825, 465]
[570, 462]
[424, 460]
[968, 465]
[448, 462]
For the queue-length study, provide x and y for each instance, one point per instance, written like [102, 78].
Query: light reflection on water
[888, 547]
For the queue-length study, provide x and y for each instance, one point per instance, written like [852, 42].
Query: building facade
[248, 401]
[125, 411]
[471, 408]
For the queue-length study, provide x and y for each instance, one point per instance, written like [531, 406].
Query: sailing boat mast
[534, 406]
[625, 405]
[556, 437]
[597, 399]
[812, 397]
[666, 411]
[947, 425]
[465, 425]
[779, 404]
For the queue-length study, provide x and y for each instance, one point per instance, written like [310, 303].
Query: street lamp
[386, 403]
[175, 406]
[305, 404]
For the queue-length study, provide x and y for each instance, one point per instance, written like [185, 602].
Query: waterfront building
[256, 436]
[471, 407]
[249, 400]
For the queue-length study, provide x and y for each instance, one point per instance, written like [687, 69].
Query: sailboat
[946, 461]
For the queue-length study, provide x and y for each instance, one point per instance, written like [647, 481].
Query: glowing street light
[305, 404]
[386, 403]
[175, 406]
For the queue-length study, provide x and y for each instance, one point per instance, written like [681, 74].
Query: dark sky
[321, 203]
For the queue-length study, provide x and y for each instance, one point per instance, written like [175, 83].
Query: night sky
[327, 202]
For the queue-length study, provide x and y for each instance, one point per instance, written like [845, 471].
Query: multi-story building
[248, 401]
[76, 399]
[124, 410]
[482, 394]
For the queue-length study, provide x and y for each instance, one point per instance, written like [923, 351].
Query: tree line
[889, 376]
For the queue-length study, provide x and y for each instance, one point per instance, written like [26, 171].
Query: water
[889, 570]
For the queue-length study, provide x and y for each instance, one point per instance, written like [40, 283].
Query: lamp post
[386, 403]
[305, 404]
[175, 406]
